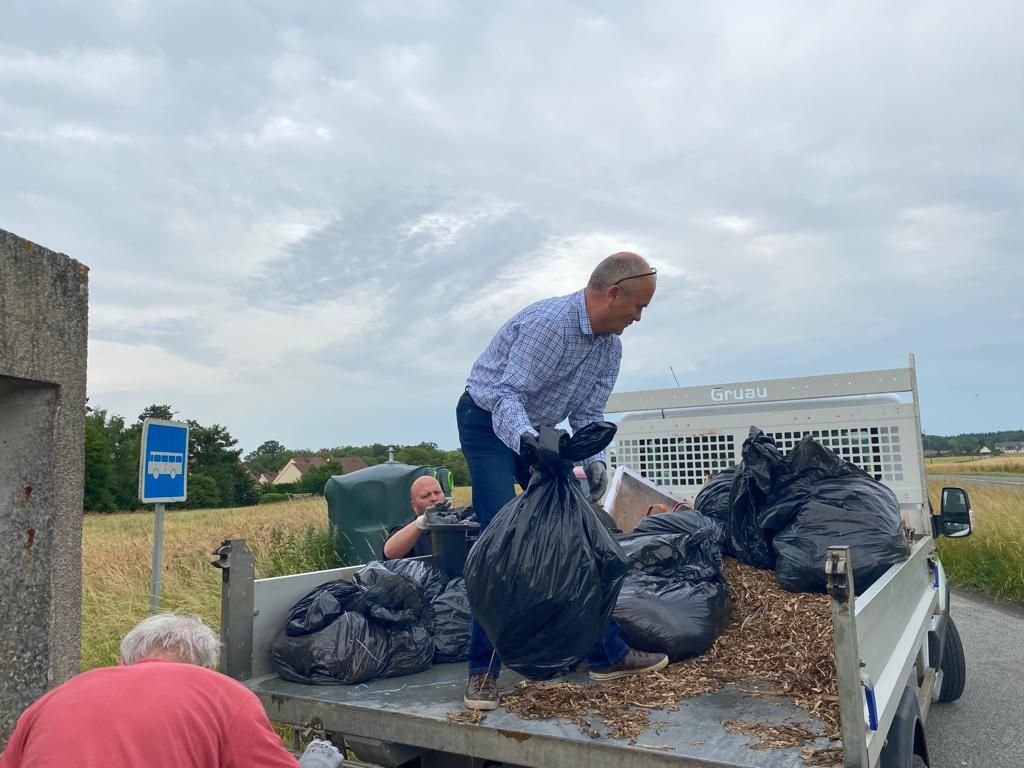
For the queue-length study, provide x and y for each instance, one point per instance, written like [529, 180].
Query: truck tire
[906, 741]
[953, 665]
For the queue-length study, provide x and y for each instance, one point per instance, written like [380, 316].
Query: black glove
[529, 448]
[597, 478]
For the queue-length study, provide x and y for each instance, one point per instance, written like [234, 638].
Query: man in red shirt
[164, 707]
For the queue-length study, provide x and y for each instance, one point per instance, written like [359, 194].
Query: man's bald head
[619, 290]
[425, 492]
[617, 267]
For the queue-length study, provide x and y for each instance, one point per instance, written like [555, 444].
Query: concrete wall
[43, 340]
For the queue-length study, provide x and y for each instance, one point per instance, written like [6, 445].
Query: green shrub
[203, 492]
[315, 549]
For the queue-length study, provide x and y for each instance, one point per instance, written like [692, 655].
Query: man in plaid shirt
[557, 359]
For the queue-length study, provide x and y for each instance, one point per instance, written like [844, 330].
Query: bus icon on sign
[164, 463]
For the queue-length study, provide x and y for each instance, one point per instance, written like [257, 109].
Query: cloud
[101, 73]
[151, 371]
[325, 213]
[736, 224]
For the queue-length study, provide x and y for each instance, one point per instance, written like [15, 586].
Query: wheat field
[953, 465]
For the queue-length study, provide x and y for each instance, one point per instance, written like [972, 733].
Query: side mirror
[956, 513]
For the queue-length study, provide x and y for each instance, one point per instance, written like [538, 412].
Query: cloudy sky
[305, 220]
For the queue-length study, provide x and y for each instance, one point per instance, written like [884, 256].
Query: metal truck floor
[414, 709]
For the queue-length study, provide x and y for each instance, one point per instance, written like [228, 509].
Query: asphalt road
[985, 728]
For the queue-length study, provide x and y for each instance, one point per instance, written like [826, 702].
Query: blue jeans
[494, 468]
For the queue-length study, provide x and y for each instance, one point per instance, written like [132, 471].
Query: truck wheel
[954, 665]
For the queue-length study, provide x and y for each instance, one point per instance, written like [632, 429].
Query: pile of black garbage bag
[394, 618]
[544, 576]
[783, 513]
[674, 599]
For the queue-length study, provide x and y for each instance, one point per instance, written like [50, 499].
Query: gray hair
[182, 636]
[616, 267]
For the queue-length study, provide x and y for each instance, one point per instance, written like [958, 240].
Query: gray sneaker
[633, 663]
[481, 692]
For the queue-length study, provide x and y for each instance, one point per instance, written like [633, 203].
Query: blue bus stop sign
[163, 461]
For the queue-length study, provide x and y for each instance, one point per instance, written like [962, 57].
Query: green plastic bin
[363, 505]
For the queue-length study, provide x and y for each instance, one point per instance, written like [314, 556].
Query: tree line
[970, 443]
[218, 475]
[272, 456]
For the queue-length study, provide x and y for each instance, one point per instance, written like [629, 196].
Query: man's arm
[13, 754]
[533, 359]
[400, 542]
[251, 741]
[592, 408]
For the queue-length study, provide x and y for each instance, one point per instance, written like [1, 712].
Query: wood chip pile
[775, 636]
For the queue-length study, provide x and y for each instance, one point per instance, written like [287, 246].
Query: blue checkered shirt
[546, 365]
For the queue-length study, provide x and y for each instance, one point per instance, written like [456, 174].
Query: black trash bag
[389, 597]
[684, 521]
[805, 466]
[673, 556]
[410, 650]
[680, 619]
[320, 607]
[452, 623]
[674, 599]
[543, 577]
[713, 499]
[753, 481]
[826, 501]
[427, 576]
[454, 516]
[606, 520]
[352, 649]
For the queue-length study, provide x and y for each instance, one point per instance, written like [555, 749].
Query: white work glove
[421, 521]
[321, 754]
[597, 478]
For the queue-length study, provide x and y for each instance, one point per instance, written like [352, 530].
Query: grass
[959, 465]
[992, 558]
[117, 552]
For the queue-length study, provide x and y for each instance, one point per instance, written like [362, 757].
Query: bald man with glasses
[557, 359]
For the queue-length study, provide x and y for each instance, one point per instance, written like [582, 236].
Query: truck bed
[414, 710]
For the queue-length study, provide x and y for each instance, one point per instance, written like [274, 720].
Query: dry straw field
[954, 465]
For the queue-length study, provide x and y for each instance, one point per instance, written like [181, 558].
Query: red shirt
[157, 714]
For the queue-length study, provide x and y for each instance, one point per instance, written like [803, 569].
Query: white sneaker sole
[604, 676]
[479, 704]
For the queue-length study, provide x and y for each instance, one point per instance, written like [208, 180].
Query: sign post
[163, 478]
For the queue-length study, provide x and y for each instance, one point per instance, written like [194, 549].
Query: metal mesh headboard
[681, 448]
